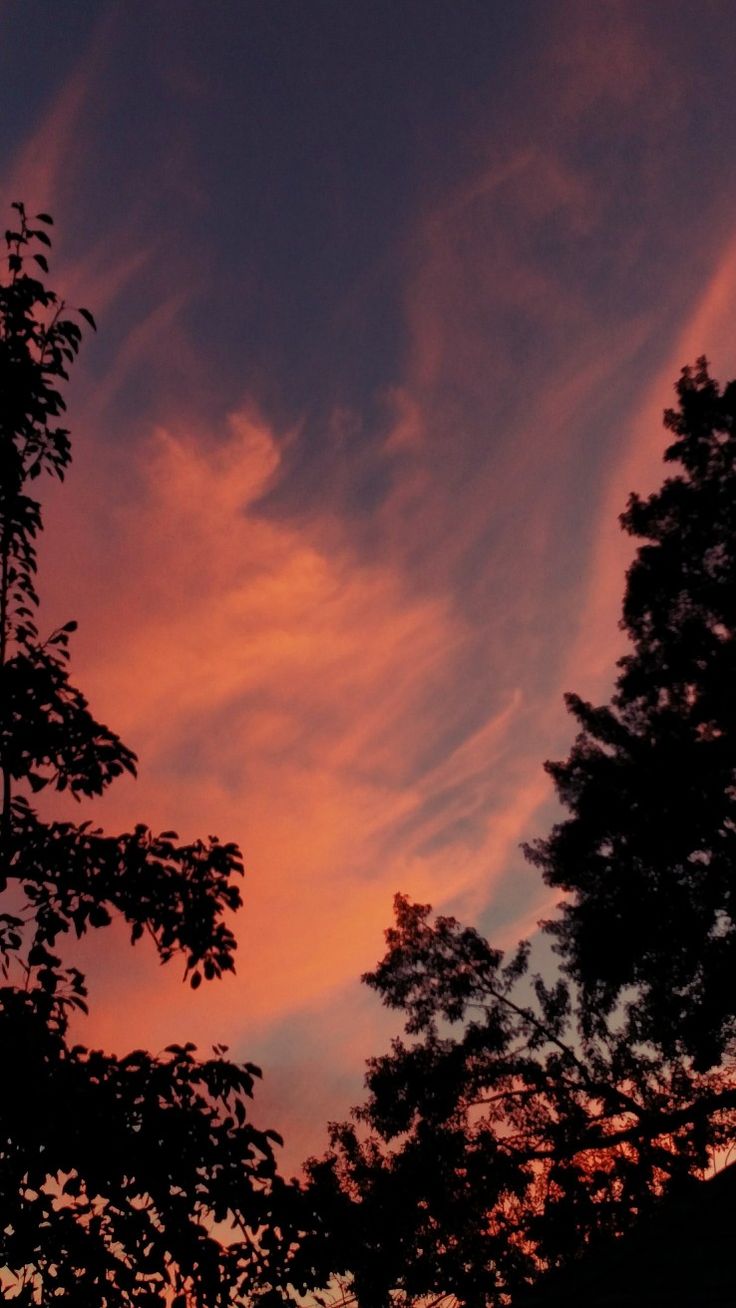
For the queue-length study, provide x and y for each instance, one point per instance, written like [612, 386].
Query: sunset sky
[390, 295]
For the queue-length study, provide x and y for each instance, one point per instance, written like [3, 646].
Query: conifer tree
[113, 1171]
[647, 856]
[521, 1122]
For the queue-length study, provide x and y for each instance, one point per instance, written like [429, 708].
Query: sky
[390, 296]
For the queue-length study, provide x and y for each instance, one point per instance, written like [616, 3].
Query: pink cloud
[49, 161]
[283, 697]
[709, 328]
[363, 718]
[285, 691]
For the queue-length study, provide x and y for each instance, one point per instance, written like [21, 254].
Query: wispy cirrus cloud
[707, 326]
[342, 639]
[290, 696]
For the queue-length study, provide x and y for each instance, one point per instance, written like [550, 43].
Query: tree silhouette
[648, 853]
[113, 1171]
[521, 1122]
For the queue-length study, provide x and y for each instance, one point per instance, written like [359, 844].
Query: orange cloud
[365, 710]
[361, 721]
[289, 699]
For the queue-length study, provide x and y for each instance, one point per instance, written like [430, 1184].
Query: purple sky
[391, 296]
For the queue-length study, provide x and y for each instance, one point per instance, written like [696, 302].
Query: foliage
[113, 1171]
[480, 1158]
[520, 1122]
[648, 853]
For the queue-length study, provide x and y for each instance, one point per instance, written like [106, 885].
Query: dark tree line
[519, 1121]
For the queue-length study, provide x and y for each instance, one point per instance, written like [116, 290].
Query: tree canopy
[123, 1181]
[521, 1121]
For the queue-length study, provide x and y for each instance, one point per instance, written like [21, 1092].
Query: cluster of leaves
[114, 1170]
[136, 1180]
[520, 1122]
